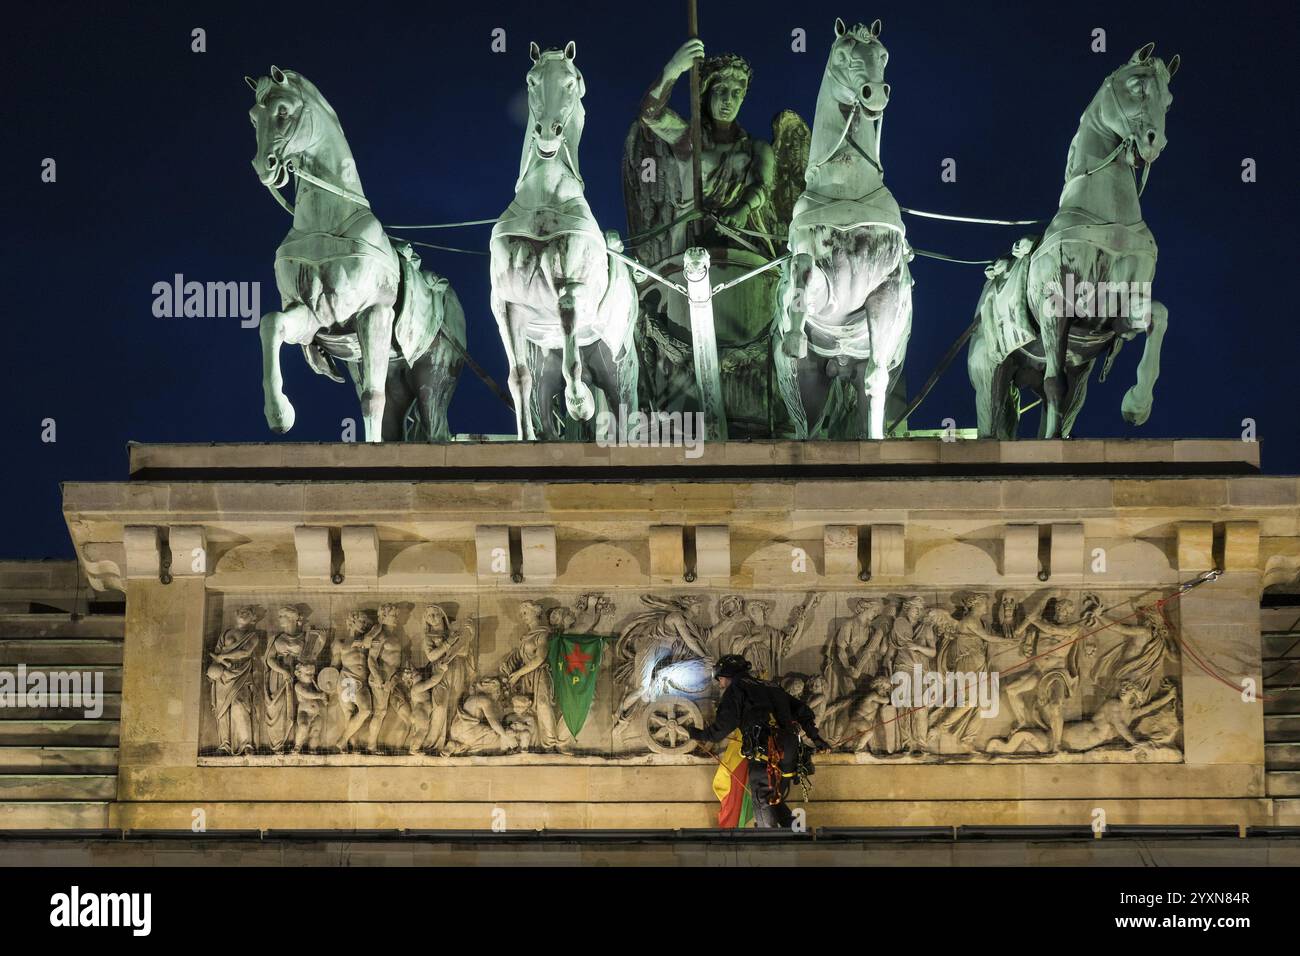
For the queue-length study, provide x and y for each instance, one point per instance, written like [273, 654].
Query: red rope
[1159, 605]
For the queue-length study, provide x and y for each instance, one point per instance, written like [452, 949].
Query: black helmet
[730, 665]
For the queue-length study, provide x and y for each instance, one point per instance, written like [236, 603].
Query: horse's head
[857, 68]
[1133, 103]
[282, 118]
[555, 91]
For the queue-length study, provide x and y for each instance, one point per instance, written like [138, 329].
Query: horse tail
[534, 358]
[434, 375]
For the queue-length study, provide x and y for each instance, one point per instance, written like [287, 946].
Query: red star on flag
[576, 660]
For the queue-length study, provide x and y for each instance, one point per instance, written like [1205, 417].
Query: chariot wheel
[664, 724]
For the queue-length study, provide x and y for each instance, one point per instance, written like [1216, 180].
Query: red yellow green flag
[730, 784]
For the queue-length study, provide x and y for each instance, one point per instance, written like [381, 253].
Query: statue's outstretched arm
[531, 666]
[493, 719]
[655, 114]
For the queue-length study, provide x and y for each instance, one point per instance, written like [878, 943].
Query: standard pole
[695, 266]
[697, 177]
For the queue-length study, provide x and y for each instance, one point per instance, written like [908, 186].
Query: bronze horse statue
[349, 293]
[1060, 301]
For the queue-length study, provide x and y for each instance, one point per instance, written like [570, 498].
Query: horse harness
[1125, 143]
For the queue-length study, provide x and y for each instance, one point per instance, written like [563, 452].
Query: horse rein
[285, 142]
[844, 135]
[1128, 142]
[315, 181]
[568, 162]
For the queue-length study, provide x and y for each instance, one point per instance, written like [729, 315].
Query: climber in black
[769, 720]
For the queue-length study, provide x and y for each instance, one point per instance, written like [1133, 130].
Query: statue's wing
[625, 645]
[651, 190]
[1035, 604]
[790, 141]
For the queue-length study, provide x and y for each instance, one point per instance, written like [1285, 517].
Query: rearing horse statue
[566, 309]
[348, 292]
[846, 295]
[1050, 310]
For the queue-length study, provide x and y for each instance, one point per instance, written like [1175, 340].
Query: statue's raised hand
[685, 57]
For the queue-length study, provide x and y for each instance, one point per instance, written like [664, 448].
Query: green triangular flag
[575, 661]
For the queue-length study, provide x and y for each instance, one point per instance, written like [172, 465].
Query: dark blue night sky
[153, 146]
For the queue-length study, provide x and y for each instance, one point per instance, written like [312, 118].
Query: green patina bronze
[1044, 316]
[564, 307]
[846, 307]
[349, 293]
[813, 349]
[748, 190]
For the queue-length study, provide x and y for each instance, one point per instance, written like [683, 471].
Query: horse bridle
[1125, 143]
[566, 118]
[848, 125]
[280, 147]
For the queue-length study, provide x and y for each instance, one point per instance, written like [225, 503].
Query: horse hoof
[1135, 412]
[280, 418]
[795, 345]
[580, 402]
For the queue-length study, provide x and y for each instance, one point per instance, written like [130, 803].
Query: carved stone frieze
[926, 676]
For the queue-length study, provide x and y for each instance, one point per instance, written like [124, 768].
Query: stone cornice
[1005, 514]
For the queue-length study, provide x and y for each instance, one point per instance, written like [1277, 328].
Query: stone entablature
[1161, 455]
[1018, 552]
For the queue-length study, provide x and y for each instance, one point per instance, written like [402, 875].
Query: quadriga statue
[845, 310]
[748, 188]
[566, 309]
[349, 293]
[738, 171]
[1082, 289]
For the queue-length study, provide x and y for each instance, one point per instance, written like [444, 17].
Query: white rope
[942, 258]
[452, 225]
[983, 222]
